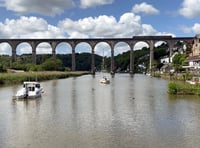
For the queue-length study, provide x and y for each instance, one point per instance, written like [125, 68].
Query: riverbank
[15, 78]
[178, 84]
[178, 88]
[176, 76]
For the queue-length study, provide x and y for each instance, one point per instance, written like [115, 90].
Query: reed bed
[14, 78]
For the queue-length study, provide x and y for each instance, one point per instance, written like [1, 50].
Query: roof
[31, 82]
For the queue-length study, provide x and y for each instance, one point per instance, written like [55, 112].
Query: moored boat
[194, 80]
[30, 89]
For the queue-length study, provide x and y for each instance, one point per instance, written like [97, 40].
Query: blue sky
[96, 18]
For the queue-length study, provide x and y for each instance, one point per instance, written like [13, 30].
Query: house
[165, 59]
[194, 57]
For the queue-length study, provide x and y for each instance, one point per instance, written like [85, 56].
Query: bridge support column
[14, 48]
[33, 45]
[93, 62]
[112, 66]
[73, 60]
[112, 62]
[34, 60]
[132, 58]
[53, 46]
[73, 66]
[171, 45]
[151, 55]
[14, 55]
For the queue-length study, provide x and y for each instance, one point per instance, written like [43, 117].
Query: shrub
[173, 88]
[183, 88]
[52, 64]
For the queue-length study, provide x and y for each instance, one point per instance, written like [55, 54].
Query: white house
[165, 60]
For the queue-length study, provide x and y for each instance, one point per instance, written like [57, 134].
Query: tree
[178, 61]
[52, 64]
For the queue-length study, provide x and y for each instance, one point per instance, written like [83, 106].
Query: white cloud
[145, 9]
[128, 25]
[48, 7]
[190, 8]
[194, 29]
[45, 7]
[29, 27]
[93, 3]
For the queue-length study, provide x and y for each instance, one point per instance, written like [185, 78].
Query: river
[130, 112]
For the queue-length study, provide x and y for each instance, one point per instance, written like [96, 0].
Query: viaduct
[150, 40]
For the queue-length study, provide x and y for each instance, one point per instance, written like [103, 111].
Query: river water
[130, 112]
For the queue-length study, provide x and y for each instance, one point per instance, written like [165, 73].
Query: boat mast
[103, 63]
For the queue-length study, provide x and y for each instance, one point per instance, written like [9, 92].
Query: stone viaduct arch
[150, 40]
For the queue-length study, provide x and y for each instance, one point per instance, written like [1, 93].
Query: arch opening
[83, 56]
[122, 49]
[43, 52]
[5, 56]
[5, 49]
[103, 52]
[24, 53]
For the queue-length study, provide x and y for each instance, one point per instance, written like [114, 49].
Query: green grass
[14, 78]
[183, 88]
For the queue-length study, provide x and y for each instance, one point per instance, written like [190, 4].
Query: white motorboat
[104, 80]
[30, 89]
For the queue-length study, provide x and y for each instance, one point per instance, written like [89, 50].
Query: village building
[194, 57]
[166, 60]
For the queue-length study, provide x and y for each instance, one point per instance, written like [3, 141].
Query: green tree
[178, 61]
[52, 64]
[5, 62]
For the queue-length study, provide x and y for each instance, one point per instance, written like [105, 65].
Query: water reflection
[132, 111]
[25, 104]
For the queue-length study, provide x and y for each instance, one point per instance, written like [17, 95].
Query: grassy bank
[177, 76]
[178, 88]
[14, 78]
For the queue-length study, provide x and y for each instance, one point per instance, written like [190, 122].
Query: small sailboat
[104, 79]
[30, 89]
